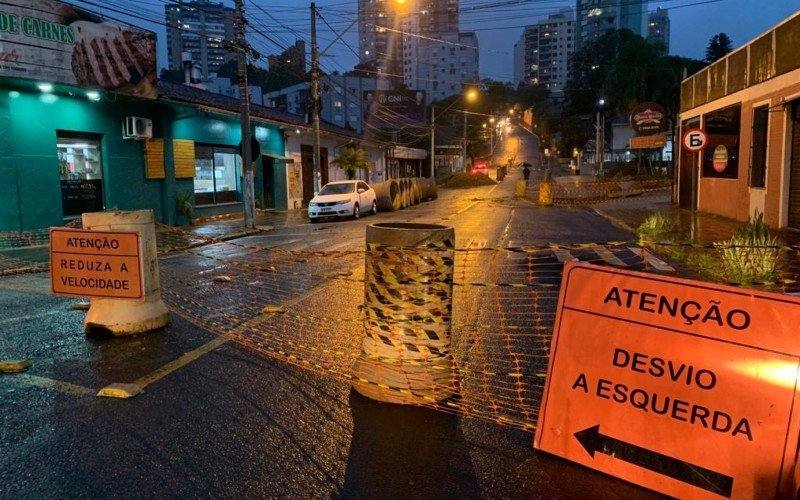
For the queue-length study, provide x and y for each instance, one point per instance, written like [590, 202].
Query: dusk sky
[498, 28]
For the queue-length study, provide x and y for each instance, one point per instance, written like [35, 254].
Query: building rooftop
[192, 95]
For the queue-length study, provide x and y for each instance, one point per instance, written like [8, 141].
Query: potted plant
[184, 208]
[351, 160]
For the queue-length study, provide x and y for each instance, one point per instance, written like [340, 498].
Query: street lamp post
[491, 138]
[470, 96]
[599, 149]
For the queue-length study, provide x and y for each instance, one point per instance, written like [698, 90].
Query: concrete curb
[613, 220]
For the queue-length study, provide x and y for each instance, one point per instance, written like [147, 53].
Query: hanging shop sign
[683, 387]
[55, 42]
[96, 264]
[648, 118]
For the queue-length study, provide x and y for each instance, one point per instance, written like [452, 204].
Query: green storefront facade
[62, 152]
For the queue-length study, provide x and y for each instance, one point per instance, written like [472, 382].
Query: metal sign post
[695, 140]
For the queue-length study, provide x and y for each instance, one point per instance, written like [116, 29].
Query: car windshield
[345, 188]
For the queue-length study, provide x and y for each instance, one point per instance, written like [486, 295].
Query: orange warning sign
[684, 387]
[95, 263]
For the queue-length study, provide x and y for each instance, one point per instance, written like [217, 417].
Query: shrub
[751, 255]
[654, 226]
[183, 205]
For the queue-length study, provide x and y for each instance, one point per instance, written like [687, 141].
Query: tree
[279, 76]
[624, 70]
[171, 75]
[719, 45]
[351, 160]
[366, 70]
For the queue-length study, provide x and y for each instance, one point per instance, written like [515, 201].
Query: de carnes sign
[683, 387]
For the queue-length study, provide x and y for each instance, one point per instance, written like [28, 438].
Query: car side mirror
[361, 190]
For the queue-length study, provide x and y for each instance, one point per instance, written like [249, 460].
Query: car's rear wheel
[374, 207]
[356, 211]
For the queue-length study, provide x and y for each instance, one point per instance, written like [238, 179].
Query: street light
[471, 95]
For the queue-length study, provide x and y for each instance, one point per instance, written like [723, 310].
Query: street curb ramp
[397, 194]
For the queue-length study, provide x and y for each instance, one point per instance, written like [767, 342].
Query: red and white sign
[695, 140]
[683, 387]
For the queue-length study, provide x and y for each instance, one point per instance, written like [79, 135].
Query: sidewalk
[265, 220]
[629, 213]
[203, 231]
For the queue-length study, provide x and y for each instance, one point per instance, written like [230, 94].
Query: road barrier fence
[306, 307]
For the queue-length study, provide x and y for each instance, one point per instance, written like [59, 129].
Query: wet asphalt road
[236, 423]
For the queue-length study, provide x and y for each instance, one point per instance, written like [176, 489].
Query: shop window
[216, 175]
[721, 156]
[758, 158]
[80, 168]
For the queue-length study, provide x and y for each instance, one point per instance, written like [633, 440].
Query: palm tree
[351, 160]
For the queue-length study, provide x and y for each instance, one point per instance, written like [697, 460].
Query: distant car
[342, 199]
[480, 168]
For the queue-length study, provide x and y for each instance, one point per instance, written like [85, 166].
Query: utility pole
[247, 161]
[433, 142]
[315, 100]
[464, 145]
[598, 146]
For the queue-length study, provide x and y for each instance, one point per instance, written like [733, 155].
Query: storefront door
[80, 168]
[269, 181]
[794, 169]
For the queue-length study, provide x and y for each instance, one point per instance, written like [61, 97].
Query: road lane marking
[48, 383]
[345, 244]
[30, 316]
[310, 244]
[161, 372]
[184, 360]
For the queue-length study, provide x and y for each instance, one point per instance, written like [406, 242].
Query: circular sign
[255, 148]
[695, 140]
[648, 118]
[720, 159]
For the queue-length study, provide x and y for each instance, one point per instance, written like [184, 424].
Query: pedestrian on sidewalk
[526, 172]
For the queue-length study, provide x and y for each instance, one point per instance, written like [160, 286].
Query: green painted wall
[32, 121]
[224, 130]
[9, 201]
[30, 194]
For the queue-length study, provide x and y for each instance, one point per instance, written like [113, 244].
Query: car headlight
[312, 205]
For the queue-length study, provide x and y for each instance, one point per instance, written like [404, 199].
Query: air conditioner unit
[137, 128]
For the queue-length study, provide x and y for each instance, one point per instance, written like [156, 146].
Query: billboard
[394, 108]
[59, 43]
